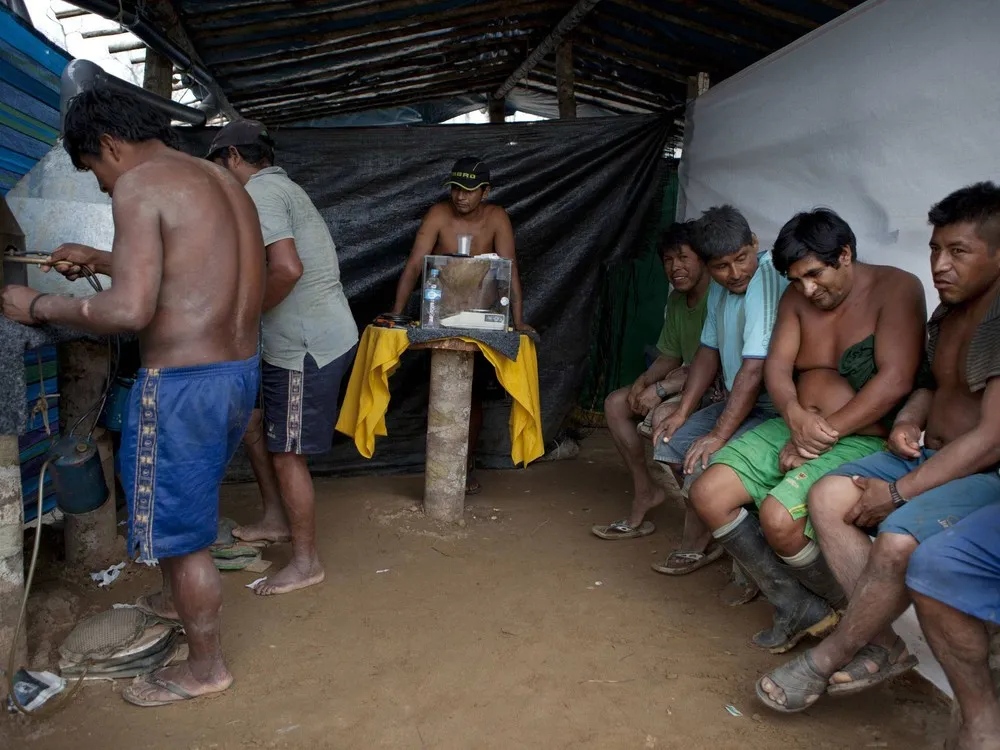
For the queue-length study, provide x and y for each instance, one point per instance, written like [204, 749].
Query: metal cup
[465, 244]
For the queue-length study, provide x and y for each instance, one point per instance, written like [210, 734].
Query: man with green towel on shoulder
[845, 351]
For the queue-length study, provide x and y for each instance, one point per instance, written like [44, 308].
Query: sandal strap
[798, 679]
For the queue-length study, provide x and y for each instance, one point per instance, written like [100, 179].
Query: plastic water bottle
[432, 298]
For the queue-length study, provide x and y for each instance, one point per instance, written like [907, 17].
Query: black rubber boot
[818, 578]
[797, 611]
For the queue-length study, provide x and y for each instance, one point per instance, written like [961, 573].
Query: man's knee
[893, 552]
[712, 493]
[784, 533]
[830, 499]
[616, 404]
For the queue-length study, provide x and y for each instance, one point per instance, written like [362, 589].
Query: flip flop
[142, 604]
[130, 694]
[688, 562]
[623, 530]
[797, 679]
[257, 543]
[887, 661]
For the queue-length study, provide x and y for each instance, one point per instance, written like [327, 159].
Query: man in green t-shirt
[654, 389]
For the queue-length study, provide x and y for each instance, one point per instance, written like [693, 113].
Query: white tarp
[876, 115]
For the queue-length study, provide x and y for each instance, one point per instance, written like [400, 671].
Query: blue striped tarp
[30, 67]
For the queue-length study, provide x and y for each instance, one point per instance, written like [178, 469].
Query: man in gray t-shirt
[308, 338]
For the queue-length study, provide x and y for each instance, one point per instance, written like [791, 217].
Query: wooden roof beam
[653, 11]
[568, 22]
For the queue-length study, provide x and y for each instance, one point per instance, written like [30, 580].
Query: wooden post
[697, 85]
[448, 428]
[158, 74]
[497, 110]
[564, 81]
[11, 556]
[92, 538]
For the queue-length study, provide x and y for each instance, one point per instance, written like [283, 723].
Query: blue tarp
[30, 68]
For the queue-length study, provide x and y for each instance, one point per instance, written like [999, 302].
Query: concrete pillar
[448, 434]
[11, 556]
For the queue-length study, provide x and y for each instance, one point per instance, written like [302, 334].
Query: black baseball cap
[469, 173]
[240, 133]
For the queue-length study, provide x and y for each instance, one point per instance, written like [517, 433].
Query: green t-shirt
[681, 334]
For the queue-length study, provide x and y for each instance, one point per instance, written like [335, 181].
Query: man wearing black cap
[467, 212]
[309, 337]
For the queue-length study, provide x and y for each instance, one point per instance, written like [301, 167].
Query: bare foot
[175, 684]
[160, 604]
[266, 530]
[291, 578]
[642, 505]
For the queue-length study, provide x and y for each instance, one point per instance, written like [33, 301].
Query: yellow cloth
[362, 416]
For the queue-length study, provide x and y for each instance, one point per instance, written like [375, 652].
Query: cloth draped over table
[362, 415]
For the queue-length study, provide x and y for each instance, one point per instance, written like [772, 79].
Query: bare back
[212, 279]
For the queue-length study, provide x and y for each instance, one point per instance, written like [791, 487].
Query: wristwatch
[898, 501]
[660, 393]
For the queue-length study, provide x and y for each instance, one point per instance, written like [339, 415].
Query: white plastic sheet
[877, 115]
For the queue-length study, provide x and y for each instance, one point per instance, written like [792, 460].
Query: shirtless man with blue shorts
[188, 271]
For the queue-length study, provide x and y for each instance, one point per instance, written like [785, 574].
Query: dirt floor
[519, 630]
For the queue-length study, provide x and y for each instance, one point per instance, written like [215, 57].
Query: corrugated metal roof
[287, 62]
[30, 67]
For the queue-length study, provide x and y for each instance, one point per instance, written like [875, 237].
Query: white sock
[723, 530]
[808, 555]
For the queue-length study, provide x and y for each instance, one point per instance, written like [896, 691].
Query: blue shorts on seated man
[934, 511]
[960, 566]
[181, 428]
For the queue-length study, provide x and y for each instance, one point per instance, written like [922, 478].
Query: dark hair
[977, 204]
[675, 236]
[256, 154]
[721, 230]
[820, 233]
[105, 111]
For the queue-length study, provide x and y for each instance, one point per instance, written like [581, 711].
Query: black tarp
[577, 192]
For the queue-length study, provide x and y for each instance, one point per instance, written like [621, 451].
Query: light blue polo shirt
[739, 325]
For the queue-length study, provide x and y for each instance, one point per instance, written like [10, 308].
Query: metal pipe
[549, 43]
[82, 75]
[159, 42]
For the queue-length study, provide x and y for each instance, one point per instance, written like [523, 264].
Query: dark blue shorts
[300, 408]
[181, 428]
[934, 511]
[961, 566]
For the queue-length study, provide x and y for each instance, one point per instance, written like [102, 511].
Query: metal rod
[549, 43]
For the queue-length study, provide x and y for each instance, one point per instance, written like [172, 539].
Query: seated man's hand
[811, 433]
[874, 505]
[904, 441]
[789, 458]
[665, 430]
[701, 451]
[634, 392]
[15, 303]
[647, 401]
[69, 260]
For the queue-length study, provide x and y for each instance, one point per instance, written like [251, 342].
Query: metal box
[472, 292]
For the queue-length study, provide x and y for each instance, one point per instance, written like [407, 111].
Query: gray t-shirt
[315, 317]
